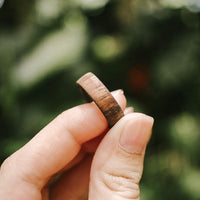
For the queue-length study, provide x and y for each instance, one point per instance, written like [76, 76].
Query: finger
[77, 159]
[57, 144]
[65, 186]
[74, 184]
[60, 174]
[118, 162]
[92, 145]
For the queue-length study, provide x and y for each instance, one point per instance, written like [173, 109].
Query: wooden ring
[94, 90]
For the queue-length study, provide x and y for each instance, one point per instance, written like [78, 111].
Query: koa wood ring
[94, 90]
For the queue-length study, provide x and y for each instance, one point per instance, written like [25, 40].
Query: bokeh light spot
[107, 47]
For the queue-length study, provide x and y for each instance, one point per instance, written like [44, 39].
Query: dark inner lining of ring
[85, 94]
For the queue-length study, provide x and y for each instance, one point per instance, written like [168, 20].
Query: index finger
[58, 143]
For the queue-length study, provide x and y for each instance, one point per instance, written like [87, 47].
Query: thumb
[118, 163]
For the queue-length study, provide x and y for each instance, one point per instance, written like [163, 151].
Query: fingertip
[135, 116]
[128, 110]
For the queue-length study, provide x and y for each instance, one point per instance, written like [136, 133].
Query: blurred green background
[149, 48]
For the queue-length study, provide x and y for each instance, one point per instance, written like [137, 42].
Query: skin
[76, 157]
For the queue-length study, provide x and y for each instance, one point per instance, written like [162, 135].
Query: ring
[94, 90]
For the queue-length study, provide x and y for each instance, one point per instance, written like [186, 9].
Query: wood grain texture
[94, 90]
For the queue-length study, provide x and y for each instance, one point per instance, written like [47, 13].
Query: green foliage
[150, 48]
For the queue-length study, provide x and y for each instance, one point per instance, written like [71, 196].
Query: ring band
[94, 90]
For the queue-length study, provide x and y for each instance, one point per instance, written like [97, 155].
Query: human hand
[58, 163]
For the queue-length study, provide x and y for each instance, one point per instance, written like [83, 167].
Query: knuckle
[125, 185]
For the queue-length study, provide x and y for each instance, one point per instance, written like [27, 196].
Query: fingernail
[136, 134]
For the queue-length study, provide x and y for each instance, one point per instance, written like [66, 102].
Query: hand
[58, 163]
